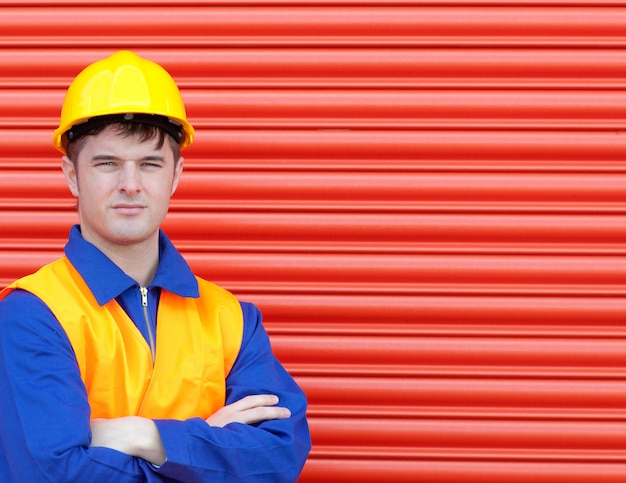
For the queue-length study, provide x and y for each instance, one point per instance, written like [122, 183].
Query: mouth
[128, 209]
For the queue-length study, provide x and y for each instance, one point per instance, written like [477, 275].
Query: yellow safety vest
[197, 342]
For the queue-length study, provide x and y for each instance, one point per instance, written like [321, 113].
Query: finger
[263, 413]
[254, 401]
[249, 410]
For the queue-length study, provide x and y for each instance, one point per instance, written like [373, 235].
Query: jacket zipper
[146, 315]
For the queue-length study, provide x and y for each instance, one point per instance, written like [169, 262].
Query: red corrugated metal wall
[426, 198]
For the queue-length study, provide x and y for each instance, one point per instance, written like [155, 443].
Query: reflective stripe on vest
[197, 343]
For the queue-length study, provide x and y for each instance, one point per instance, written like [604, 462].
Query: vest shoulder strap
[230, 318]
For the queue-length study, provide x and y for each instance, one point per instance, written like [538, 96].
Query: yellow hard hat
[123, 86]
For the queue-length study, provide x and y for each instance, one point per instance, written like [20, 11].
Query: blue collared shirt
[44, 412]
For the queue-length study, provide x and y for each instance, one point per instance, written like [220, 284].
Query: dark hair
[143, 132]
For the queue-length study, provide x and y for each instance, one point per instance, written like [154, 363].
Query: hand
[249, 410]
[133, 435]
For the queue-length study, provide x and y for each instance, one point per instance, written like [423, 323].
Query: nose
[130, 179]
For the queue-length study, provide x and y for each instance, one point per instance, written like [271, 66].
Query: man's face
[123, 187]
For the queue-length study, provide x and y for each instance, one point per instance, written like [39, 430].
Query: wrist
[146, 441]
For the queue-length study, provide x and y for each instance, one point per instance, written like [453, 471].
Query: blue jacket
[44, 413]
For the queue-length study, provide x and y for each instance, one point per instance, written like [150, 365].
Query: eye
[104, 165]
[151, 164]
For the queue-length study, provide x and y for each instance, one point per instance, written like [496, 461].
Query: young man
[117, 364]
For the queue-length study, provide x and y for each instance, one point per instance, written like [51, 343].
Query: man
[117, 364]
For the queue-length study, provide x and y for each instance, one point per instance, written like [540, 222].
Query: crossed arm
[47, 434]
[139, 437]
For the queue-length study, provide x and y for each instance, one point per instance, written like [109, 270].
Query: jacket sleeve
[269, 451]
[44, 412]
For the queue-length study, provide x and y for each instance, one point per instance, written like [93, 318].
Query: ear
[178, 171]
[71, 177]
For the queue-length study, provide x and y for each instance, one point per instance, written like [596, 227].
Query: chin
[132, 235]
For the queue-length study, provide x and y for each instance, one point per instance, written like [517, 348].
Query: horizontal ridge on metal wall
[426, 199]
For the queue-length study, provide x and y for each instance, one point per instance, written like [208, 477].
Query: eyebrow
[149, 157]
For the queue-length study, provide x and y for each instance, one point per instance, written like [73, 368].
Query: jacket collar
[107, 281]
